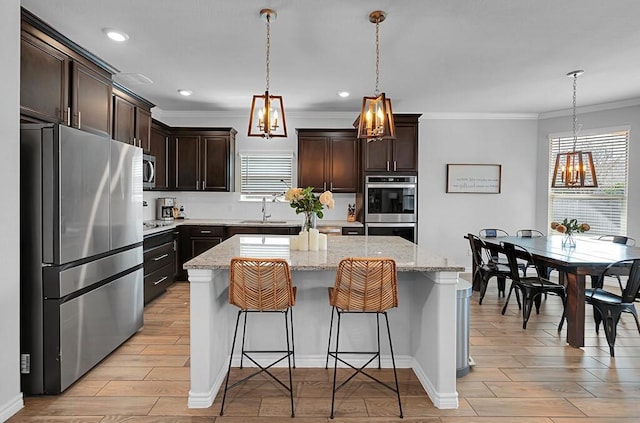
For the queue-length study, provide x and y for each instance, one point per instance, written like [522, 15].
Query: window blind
[603, 208]
[262, 173]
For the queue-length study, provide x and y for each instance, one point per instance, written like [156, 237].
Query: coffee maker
[164, 208]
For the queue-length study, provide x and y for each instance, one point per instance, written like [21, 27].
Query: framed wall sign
[474, 178]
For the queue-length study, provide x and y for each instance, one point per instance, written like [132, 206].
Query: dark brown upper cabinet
[328, 159]
[90, 99]
[159, 148]
[61, 82]
[44, 86]
[399, 155]
[202, 159]
[131, 118]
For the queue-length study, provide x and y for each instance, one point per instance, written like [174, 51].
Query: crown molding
[160, 114]
[593, 108]
[479, 116]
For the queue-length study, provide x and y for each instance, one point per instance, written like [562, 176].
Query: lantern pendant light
[376, 116]
[574, 169]
[267, 111]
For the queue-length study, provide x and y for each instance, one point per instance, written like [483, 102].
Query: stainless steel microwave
[148, 171]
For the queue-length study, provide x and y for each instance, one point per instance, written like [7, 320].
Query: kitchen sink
[260, 222]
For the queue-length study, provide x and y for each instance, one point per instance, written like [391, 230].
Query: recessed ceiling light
[185, 93]
[116, 35]
[343, 94]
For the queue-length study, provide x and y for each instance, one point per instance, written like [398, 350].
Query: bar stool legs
[288, 354]
[360, 370]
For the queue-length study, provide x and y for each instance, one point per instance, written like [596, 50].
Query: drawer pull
[353, 233]
[162, 279]
[205, 232]
[160, 257]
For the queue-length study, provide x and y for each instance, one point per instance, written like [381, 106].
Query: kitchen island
[423, 326]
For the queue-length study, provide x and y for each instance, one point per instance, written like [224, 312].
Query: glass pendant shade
[376, 119]
[267, 117]
[574, 169]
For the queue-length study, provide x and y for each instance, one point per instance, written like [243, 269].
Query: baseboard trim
[11, 407]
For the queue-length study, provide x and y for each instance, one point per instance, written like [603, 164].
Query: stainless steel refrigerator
[81, 257]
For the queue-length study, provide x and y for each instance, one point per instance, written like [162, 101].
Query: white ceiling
[449, 56]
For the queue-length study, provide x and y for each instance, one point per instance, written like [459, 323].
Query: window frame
[597, 196]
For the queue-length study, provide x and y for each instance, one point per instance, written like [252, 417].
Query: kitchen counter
[423, 326]
[247, 222]
[408, 256]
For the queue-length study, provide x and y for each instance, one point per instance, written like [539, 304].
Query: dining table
[588, 257]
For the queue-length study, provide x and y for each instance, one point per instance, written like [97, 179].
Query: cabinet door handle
[387, 165]
[395, 165]
[197, 185]
[203, 185]
[68, 116]
[324, 186]
[205, 232]
[160, 257]
[330, 186]
[79, 119]
[162, 279]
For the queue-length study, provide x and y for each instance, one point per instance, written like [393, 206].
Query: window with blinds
[265, 173]
[603, 208]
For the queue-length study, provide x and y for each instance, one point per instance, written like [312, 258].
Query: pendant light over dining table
[574, 169]
[267, 111]
[376, 116]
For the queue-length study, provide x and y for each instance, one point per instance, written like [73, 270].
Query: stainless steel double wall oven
[391, 206]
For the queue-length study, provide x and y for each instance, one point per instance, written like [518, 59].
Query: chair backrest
[365, 284]
[529, 233]
[618, 239]
[492, 233]
[512, 252]
[630, 291]
[260, 284]
[475, 244]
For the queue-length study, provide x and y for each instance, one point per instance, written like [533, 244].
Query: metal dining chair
[608, 306]
[531, 287]
[485, 268]
[494, 256]
[528, 233]
[597, 281]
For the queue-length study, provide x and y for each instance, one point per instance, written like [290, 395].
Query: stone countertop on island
[409, 257]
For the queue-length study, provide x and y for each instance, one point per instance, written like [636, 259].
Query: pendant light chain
[268, 48]
[377, 92]
[575, 133]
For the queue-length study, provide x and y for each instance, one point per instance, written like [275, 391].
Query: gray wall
[612, 118]
[446, 218]
[10, 396]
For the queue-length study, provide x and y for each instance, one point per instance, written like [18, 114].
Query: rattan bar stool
[363, 285]
[261, 285]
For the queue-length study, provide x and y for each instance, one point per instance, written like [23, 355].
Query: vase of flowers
[568, 227]
[303, 200]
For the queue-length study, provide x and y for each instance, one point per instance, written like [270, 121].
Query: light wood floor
[520, 376]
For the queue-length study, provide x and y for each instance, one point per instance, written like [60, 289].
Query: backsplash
[227, 205]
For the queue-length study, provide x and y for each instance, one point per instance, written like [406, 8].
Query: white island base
[423, 327]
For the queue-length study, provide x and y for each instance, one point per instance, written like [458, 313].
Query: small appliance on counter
[164, 208]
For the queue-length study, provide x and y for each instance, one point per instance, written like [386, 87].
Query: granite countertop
[244, 222]
[409, 257]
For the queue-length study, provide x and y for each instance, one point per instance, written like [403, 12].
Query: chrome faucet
[265, 216]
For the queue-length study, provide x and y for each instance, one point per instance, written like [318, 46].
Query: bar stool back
[261, 285]
[363, 285]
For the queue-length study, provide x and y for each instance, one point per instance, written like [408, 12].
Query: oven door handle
[391, 225]
[391, 185]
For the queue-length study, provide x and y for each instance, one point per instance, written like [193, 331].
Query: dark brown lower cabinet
[159, 263]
